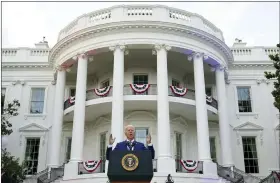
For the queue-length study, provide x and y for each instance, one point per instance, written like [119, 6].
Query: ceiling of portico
[139, 58]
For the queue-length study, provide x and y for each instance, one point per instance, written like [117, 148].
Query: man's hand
[111, 140]
[148, 139]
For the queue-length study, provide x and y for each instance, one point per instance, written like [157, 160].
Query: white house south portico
[121, 40]
[166, 72]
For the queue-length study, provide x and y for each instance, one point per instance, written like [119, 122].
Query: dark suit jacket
[122, 146]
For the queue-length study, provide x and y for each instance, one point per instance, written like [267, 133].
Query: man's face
[130, 133]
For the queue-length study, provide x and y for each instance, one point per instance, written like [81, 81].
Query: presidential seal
[130, 162]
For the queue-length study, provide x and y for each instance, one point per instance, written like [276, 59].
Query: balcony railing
[148, 89]
[125, 13]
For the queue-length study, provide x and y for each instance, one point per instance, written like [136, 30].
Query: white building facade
[166, 71]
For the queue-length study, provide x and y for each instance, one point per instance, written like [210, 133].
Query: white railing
[39, 52]
[140, 13]
[269, 51]
[248, 54]
[241, 51]
[9, 52]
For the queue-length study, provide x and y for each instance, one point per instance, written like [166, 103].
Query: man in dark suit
[130, 144]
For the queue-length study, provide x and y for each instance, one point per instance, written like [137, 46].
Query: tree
[12, 170]
[6, 113]
[269, 75]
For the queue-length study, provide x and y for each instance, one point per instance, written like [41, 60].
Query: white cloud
[25, 23]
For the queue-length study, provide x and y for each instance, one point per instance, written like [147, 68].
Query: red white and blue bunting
[102, 91]
[71, 100]
[91, 165]
[189, 165]
[209, 99]
[179, 91]
[140, 88]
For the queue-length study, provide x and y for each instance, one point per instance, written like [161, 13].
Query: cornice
[107, 28]
[251, 64]
[26, 65]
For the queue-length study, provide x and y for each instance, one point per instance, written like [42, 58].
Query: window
[105, 83]
[72, 92]
[141, 134]
[32, 155]
[244, 99]
[213, 149]
[68, 149]
[208, 91]
[140, 79]
[178, 152]
[3, 95]
[103, 150]
[175, 83]
[37, 100]
[250, 155]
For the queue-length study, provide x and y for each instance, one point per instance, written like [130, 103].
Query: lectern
[130, 167]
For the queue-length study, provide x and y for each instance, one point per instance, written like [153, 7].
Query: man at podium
[130, 144]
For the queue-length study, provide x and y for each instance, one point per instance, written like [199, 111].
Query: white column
[57, 122]
[118, 84]
[201, 109]
[79, 112]
[223, 117]
[165, 162]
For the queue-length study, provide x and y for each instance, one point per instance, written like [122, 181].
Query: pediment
[179, 120]
[33, 127]
[213, 125]
[102, 120]
[248, 126]
[141, 115]
[67, 126]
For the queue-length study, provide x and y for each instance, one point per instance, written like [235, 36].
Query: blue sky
[25, 23]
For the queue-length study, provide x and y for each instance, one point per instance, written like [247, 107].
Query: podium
[130, 167]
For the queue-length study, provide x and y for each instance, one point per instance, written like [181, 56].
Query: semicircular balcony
[140, 85]
[129, 13]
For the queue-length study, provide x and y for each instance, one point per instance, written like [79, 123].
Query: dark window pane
[250, 155]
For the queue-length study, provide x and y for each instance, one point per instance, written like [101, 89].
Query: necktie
[130, 146]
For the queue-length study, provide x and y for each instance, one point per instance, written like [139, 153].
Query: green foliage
[269, 75]
[6, 113]
[11, 169]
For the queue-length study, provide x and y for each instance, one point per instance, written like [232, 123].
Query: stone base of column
[210, 168]
[106, 166]
[70, 170]
[166, 165]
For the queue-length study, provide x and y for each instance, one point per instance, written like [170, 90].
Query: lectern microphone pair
[130, 167]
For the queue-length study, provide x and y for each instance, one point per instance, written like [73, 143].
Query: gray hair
[127, 126]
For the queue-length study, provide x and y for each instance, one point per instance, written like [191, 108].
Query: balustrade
[138, 12]
[129, 90]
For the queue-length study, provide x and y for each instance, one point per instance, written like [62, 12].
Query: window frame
[29, 101]
[69, 92]
[175, 80]
[258, 160]
[216, 149]
[66, 148]
[256, 132]
[42, 149]
[100, 156]
[104, 81]
[38, 158]
[178, 166]
[142, 128]
[251, 99]
[211, 89]
[140, 74]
